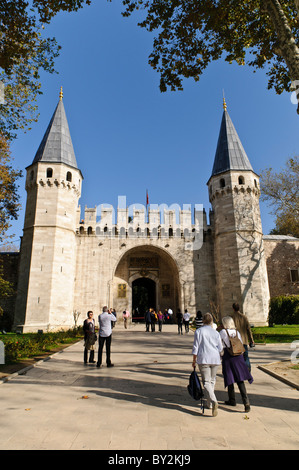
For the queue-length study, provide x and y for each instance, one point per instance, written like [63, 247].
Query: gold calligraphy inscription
[122, 291]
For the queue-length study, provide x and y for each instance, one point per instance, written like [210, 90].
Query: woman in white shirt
[207, 347]
[234, 368]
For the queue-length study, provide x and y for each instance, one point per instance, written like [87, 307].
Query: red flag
[146, 197]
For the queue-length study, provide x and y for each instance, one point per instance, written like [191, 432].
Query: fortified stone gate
[160, 257]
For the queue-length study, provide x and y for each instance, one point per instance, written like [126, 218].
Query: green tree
[9, 205]
[24, 53]
[281, 191]
[191, 34]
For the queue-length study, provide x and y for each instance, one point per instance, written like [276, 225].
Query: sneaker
[110, 365]
[247, 408]
[214, 408]
[99, 365]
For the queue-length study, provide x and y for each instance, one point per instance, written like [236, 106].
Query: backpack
[236, 346]
[195, 389]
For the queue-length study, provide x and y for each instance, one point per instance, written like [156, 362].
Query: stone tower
[48, 249]
[240, 266]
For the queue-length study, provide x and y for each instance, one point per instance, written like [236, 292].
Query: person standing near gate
[186, 318]
[179, 317]
[105, 336]
[148, 319]
[89, 337]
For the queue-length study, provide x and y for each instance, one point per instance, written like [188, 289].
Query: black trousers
[242, 389]
[102, 341]
[91, 355]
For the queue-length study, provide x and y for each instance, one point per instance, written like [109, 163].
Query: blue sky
[129, 137]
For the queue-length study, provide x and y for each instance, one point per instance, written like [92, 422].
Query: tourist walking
[126, 316]
[105, 336]
[207, 346]
[89, 337]
[160, 319]
[243, 326]
[234, 368]
[179, 317]
[186, 318]
[198, 320]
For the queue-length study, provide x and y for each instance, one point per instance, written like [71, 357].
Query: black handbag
[195, 389]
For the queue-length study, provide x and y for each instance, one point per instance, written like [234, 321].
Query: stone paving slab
[142, 403]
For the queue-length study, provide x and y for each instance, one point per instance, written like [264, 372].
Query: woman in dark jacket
[179, 317]
[89, 337]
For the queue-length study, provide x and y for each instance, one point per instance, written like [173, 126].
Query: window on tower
[69, 176]
[49, 172]
[241, 180]
[222, 183]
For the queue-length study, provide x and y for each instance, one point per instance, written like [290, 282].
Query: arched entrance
[143, 297]
[146, 276]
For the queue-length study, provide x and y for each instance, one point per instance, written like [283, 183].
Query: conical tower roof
[230, 153]
[56, 145]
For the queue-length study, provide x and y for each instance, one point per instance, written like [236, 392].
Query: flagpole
[146, 205]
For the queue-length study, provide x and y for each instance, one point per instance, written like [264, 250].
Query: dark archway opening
[143, 297]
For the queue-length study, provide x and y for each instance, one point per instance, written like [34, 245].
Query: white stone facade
[74, 262]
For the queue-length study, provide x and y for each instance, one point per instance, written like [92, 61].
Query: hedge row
[28, 345]
[284, 310]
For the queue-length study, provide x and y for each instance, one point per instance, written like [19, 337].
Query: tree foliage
[191, 34]
[21, 24]
[25, 51]
[281, 191]
[9, 206]
[9, 198]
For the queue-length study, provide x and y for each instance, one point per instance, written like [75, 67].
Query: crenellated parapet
[154, 223]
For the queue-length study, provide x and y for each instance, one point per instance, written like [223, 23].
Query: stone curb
[26, 369]
[278, 376]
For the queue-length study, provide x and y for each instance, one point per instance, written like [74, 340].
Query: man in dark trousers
[105, 336]
[243, 327]
[148, 319]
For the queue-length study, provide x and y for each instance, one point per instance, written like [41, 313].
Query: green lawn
[276, 334]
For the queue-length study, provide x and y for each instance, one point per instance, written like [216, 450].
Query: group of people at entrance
[152, 318]
[212, 348]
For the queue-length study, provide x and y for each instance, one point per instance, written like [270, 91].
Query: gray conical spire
[56, 146]
[230, 154]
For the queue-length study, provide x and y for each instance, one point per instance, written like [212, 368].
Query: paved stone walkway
[142, 403]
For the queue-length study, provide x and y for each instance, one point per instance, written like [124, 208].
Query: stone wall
[282, 255]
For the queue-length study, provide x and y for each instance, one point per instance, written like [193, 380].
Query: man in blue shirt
[105, 336]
